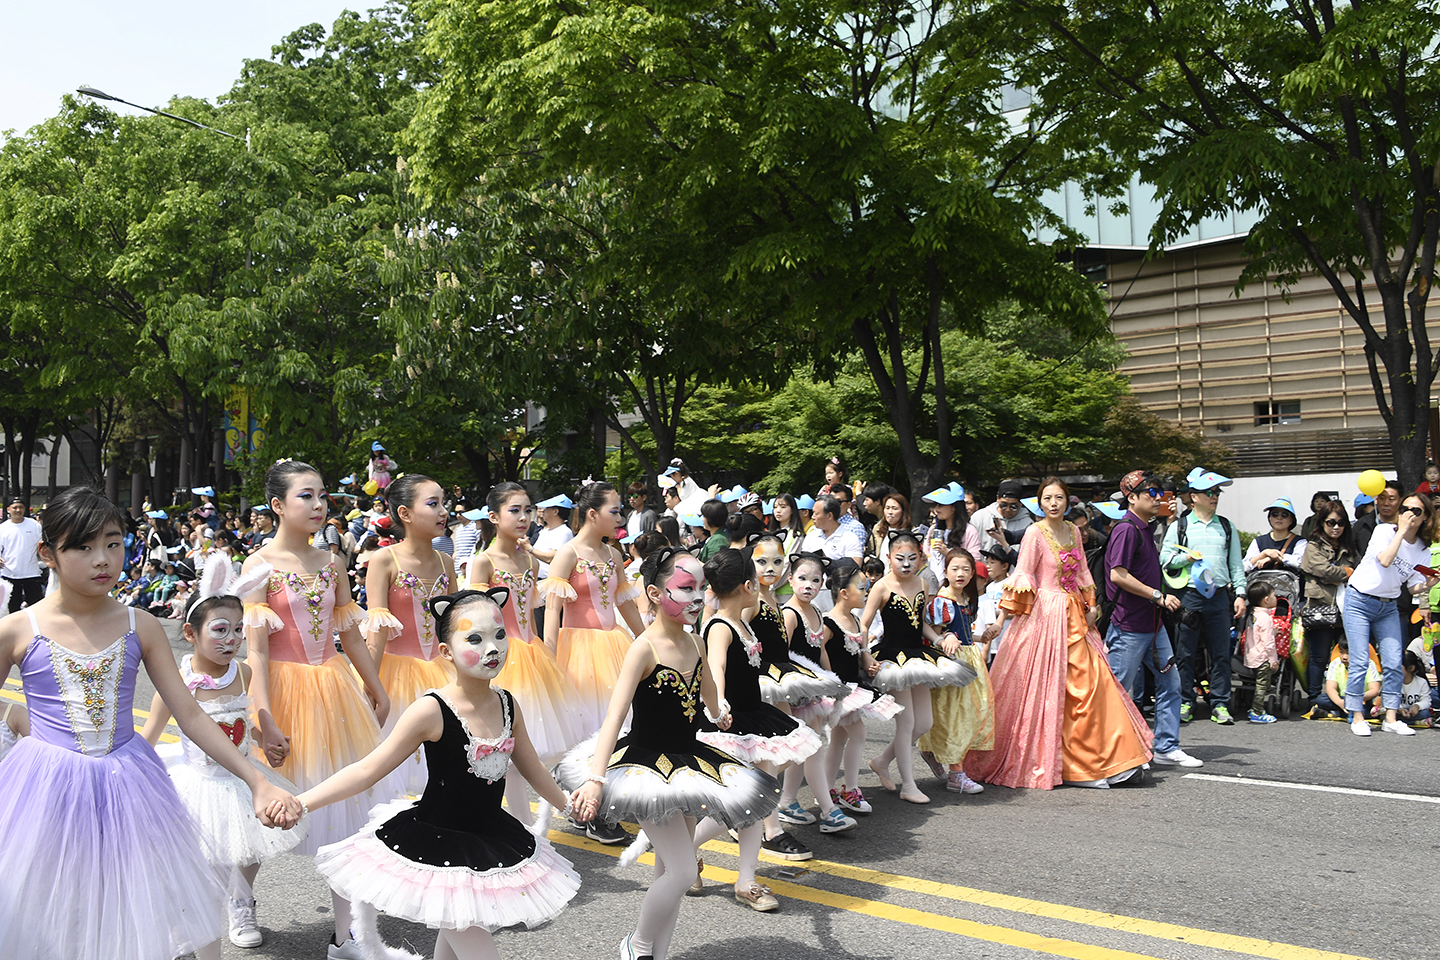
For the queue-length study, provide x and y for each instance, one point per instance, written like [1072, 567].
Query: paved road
[1183, 867]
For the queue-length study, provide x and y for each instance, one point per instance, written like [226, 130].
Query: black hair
[494, 500]
[904, 536]
[1413, 661]
[647, 543]
[971, 590]
[831, 505]
[740, 527]
[660, 563]
[877, 491]
[197, 610]
[841, 574]
[873, 567]
[592, 496]
[670, 527]
[402, 493]
[818, 559]
[728, 571]
[637, 488]
[77, 516]
[281, 477]
[714, 513]
[796, 525]
[1395, 485]
[444, 607]
[1258, 591]
[680, 467]
[839, 466]
[765, 537]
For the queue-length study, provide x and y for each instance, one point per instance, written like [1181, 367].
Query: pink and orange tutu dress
[592, 643]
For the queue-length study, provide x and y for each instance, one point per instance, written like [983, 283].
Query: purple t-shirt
[1132, 546]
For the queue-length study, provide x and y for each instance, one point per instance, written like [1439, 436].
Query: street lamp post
[95, 94]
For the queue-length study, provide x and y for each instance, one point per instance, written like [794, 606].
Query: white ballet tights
[847, 744]
[813, 770]
[517, 798]
[674, 846]
[910, 725]
[750, 839]
[472, 943]
[342, 917]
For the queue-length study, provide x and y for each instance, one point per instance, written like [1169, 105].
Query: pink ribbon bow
[485, 749]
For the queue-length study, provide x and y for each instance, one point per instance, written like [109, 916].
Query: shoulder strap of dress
[131, 611]
[34, 624]
[506, 709]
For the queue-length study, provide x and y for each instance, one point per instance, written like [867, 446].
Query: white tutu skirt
[529, 893]
[921, 668]
[646, 784]
[224, 809]
[862, 703]
[99, 859]
[797, 682]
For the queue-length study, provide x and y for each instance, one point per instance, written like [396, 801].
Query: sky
[144, 51]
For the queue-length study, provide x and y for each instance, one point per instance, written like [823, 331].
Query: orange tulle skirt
[547, 699]
[330, 723]
[591, 660]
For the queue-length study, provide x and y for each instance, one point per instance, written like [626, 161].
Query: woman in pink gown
[1060, 715]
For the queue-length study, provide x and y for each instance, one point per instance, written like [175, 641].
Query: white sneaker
[1092, 784]
[1398, 727]
[1178, 758]
[349, 950]
[243, 932]
[1360, 728]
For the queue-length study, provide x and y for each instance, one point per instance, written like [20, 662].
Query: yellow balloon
[372, 488]
[1371, 482]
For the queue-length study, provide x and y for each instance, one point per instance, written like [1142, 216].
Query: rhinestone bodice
[81, 702]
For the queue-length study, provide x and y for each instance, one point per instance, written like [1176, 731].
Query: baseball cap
[945, 495]
[471, 514]
[1109, 508]
[203, 491]
[377, 447]
[1362, 500]
[691, 520]
[560, 500]
[1009, 490]
[1282, 503]
[1033, 505]
[156, 514]
[1137, 480]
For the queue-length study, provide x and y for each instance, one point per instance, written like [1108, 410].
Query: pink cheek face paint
[469, 658]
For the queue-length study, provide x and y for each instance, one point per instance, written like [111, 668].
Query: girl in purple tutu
[98, 856]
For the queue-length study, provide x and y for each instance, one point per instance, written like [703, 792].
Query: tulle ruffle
[867, 704]
[530, 893]
[797, 682]
[591, 660]
[99, 859]
[548, 700]
[349, 615]
[558, 588]
[791, 747]
[224, 810]
[330, 725]
[921, 668]
[378, 618]
[645, 785]
[264, 616]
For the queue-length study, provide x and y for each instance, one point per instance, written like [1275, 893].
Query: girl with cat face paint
[659, 773]
[454, 860]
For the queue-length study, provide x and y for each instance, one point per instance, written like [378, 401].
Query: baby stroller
[1287, 690]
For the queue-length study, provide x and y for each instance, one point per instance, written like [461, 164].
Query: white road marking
[1316, 787]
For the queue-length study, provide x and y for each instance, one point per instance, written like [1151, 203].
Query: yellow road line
[1249, 946]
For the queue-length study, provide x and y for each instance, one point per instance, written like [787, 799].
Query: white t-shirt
[552, 538]
[19, 546]
[1386, 582]
[1415, 693]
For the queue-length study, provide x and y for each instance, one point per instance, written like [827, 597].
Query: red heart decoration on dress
[235, 731]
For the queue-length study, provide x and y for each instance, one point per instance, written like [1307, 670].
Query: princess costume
[660, 769]
[547, 698]
[759, 732]
[220, 802]
[98, 856]
[1059, 712]
[314, 696]
[411, 663]
[454, 859]
[591, 645]
[964, 717]
[906, 657]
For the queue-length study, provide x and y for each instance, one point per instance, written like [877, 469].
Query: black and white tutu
[660, 769]
[759, 732]
[454, 859]
[905, 660]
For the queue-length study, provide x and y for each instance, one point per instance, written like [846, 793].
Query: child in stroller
[1265, 672]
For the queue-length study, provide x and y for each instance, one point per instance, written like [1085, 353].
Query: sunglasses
[1155, 493]
[1418, 511]
[1339, 524]
[1279, 513]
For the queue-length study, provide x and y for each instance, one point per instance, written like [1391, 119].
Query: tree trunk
[139, 475]
[891, 379]
[53, 485]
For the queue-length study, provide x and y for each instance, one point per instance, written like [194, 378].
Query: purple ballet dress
[98, 857]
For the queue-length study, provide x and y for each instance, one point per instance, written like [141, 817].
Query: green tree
[1319, 115]
[848, 160]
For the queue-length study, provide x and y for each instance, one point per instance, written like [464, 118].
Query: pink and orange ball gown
[592, 643]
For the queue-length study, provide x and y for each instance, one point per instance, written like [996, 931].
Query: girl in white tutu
[806, 630]
[913, 657]
[219, 801]
[659, 773]
[453, 860]
[98, 856]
